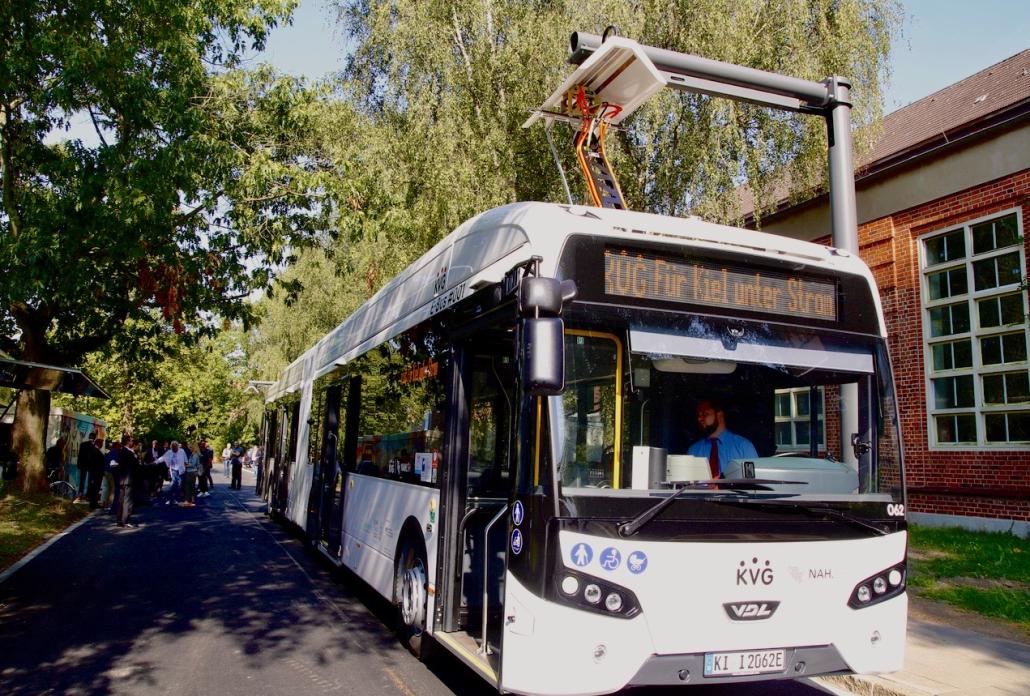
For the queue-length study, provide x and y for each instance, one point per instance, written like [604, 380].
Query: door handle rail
[484, 649]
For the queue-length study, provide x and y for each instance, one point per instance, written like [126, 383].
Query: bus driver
[718, 445]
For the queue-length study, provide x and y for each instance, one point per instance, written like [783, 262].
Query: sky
[943, 42]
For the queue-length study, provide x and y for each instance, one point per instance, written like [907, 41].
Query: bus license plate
[735, 664]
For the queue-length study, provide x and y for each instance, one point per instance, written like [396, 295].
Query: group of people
[128, 475]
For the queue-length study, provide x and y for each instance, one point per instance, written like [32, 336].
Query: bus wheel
[411, 579]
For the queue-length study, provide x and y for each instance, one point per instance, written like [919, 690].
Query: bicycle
[59, 486]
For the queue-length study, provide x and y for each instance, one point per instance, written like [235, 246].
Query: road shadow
[104, 607]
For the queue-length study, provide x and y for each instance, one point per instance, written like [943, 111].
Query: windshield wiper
[813, 511]
[733, 488]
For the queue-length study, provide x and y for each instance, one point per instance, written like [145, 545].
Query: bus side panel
[300, 489]
[375, 510]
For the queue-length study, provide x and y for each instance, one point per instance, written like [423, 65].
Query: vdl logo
[750, 611]
[754, 574]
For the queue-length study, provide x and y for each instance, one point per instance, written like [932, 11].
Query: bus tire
[410, 594]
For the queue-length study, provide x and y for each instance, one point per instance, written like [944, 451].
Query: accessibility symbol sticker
[516, 541]
[581, 554]
[518, 513]
[637, 562]
[610, 558]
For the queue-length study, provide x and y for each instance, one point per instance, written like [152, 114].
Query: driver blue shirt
[731, 446]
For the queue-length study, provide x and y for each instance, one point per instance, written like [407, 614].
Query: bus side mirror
[543, 355]
[543, 333]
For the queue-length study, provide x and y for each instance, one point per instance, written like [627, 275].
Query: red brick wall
[959, 482]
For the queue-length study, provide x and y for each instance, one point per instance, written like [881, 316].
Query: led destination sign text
[698, 282]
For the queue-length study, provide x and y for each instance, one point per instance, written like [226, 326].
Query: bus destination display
[643, 276]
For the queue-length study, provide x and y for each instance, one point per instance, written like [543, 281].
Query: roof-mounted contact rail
[622, 73]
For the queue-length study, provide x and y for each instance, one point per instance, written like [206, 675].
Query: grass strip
[982, 572]
[27, 520]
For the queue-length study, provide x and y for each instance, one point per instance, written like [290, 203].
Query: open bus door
[488, 394]
[476, 502]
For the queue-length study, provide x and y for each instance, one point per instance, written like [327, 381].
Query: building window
[975, 325]
[793, 412]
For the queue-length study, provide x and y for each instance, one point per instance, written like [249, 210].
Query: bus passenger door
[479, 494]
[331, 482]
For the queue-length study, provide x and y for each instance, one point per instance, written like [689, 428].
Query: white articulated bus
[504, 442]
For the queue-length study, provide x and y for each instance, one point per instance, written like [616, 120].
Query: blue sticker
[516, 541]
[581, 554]
[637, 562]
[610, 558]
[518, 513]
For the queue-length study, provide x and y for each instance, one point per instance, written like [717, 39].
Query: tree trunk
[30, 425]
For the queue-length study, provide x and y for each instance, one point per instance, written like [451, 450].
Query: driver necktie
[713, 457]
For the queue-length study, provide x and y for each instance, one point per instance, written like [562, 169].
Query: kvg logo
[754, 574]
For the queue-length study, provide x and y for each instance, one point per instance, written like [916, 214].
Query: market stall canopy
[19, 374]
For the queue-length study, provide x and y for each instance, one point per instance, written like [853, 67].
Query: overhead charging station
[616, 75]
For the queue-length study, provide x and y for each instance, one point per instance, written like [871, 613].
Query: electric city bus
[503, 443]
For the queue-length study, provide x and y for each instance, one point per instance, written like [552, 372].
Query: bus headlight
[613, 602]
[570, 585]
[886, 584]
[594, 594]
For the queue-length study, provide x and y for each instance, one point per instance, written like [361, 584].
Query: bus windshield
[803, 414]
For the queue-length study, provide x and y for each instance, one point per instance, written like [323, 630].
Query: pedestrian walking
[125, 470]
[259, 464]
[92, 460]
[189, 481]
[226, 456]
[82, 462]
[175, 460]
[207, 456]
[109, 493]
[236, 464]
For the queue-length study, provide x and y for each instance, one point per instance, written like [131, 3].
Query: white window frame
[794, 418]
[972, 296]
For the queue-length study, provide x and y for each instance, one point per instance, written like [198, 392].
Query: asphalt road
[214, 599]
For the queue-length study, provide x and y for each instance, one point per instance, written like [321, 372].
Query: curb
[870, 685]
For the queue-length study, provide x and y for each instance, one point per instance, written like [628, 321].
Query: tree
[200, 184]
[454, 82]
[442, 88]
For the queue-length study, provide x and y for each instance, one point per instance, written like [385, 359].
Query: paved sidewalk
[946, 661]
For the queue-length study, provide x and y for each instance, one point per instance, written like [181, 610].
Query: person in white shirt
[175, 460]
[226, 455]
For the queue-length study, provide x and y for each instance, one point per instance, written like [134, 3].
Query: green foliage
[188, 390]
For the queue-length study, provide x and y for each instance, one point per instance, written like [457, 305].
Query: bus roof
[481, 250]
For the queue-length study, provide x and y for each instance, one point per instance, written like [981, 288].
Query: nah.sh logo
[750, 611]
[755, 573]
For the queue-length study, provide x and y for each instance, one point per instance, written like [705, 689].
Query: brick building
[944, 207]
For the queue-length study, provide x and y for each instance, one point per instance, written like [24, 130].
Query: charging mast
[621, 73]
